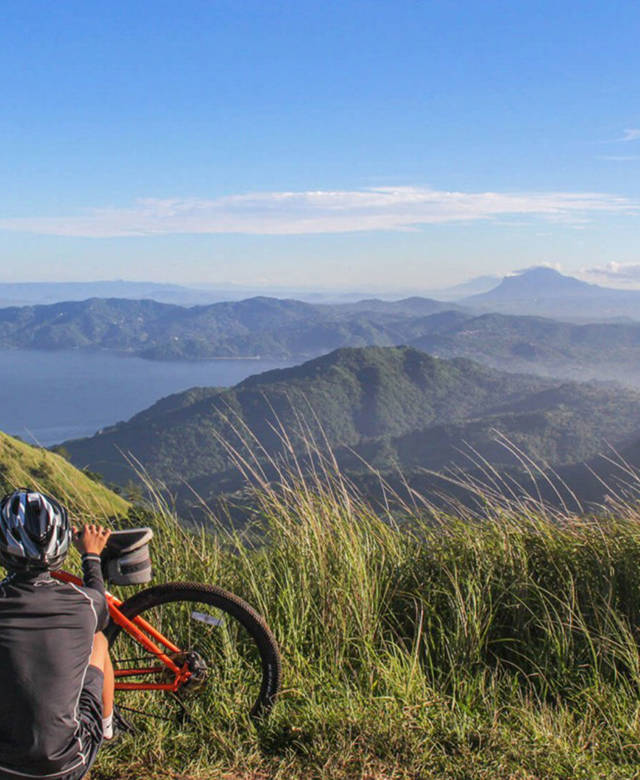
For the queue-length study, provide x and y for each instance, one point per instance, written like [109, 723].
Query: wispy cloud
[340, 211]
[631, 134]
[616, 274]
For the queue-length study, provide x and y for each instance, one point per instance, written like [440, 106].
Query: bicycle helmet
[34, 531]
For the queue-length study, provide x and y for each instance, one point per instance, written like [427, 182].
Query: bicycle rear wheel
[235, 656]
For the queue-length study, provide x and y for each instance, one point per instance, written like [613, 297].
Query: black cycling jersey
[46, 637]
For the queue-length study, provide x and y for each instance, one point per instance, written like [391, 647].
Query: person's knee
[100, 651]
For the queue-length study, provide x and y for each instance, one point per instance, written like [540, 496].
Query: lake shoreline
[49, 396]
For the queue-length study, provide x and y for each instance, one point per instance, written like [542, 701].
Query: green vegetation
[415, 644]
[24, 465]
[257, 327]
[391, 407]
[463, 647]
[542, 346]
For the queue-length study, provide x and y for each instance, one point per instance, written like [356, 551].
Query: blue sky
[379, 144]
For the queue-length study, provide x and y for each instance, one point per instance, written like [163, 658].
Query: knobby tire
[233, 606]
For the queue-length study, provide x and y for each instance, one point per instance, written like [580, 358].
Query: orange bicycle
[192, 642]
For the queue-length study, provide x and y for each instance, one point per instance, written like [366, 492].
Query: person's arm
[90, 541]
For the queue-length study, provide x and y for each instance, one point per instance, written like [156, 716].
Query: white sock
[107, 727]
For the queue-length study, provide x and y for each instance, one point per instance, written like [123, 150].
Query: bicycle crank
[197, 668]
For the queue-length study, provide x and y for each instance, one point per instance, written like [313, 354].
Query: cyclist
[56, 677]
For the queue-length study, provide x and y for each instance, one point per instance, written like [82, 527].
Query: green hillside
[393, 407]
[349, 395]
[24, 465]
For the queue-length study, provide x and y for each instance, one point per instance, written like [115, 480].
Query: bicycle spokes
[218, 661]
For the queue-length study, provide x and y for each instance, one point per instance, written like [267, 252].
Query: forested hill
[292, 330]
[537, 344]
[256, 327]
[392, 406]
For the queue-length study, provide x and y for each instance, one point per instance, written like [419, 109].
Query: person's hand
[90, 539]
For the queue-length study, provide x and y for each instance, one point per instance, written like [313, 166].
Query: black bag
[126, 559]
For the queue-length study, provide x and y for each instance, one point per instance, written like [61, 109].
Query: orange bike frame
[146, 636]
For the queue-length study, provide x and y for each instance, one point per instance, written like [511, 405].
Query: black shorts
[90, 717]
[89, 733]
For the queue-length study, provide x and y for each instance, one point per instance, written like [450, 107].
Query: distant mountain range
[475, 286]
[392, 407]
[272, 328]
[257, 327]
[537, 291]
[42, 293]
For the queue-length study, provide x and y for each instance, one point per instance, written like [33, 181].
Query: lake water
[47, 397]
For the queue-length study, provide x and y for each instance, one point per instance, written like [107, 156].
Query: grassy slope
[24, 465]
[450, 648]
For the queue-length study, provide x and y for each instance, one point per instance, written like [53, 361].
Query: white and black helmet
[34, 531]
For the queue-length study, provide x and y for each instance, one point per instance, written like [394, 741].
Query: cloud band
[314, 212]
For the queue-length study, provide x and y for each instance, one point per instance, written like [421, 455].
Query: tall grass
[416, 644]
[23, 465]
